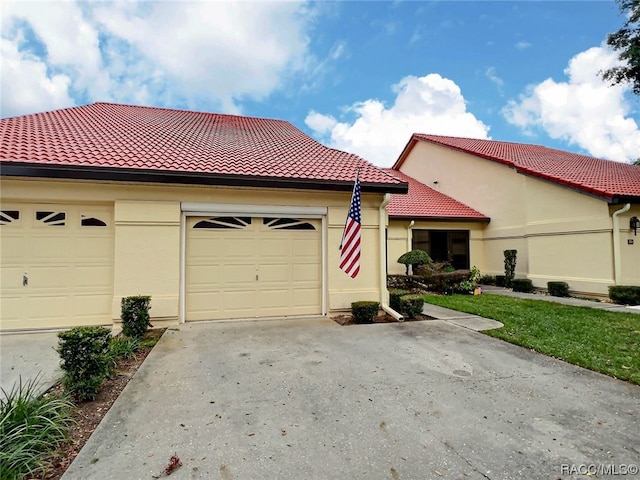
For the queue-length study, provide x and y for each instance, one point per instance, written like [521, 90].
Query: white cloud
[27, 86]
[430, 104]
[583, 111]
[199, 54]
[522, 45]
[493, 76]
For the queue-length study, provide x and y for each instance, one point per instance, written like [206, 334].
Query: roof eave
[440, 218]
[14, 169]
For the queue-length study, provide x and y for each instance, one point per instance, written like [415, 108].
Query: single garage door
[56, 265]
[247, 267]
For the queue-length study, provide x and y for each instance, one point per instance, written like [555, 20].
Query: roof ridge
[183, 110]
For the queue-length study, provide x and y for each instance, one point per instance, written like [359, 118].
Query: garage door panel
[278, 273]
[52, 248]
[69, 265]
[238, 248]
[260, 262]
[91, 277]
[304, 297]
[275, 248]
[94, 249]
[204, 276]
[13, 247]
[240, 303]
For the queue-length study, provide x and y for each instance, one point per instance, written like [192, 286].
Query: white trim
[198, 209]
[323, 254]
[183, 269]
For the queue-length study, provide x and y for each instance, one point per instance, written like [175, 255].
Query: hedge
[625, 294]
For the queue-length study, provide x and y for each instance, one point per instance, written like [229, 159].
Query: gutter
[409, 235]
[617, 260]
[384, 294]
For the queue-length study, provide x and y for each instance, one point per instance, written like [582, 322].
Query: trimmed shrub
[510, 258]
[394, 298]
[135, 315]
[501, 281]
[415, 258]
[558, 289]
[85, 360]
[364, 312]
[522, 285]
[400, 282]
[625, 294]
[411, 305]
[487, 280]
[446, 282]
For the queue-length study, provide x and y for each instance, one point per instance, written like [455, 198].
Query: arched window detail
[8, 216]
[86, 221]
[237, 223]
[54, 219]
[287, 224]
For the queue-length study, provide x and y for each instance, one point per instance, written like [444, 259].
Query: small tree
[510, 257]
[414, 258]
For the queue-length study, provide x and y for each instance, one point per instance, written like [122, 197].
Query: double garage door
[56, 265]
[248, 267]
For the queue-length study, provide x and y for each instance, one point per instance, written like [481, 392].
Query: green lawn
[607, 342]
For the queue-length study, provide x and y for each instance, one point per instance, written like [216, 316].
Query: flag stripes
[351, 238]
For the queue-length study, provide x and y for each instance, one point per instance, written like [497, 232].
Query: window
[287, 224]
[444, 246]
[54, 219]
[8, 216]
[86, 221]
[237, 223]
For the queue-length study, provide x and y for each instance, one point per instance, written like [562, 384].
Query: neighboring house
[569, 216]
[214, 216]
[448, 230]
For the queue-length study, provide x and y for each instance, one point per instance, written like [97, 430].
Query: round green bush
[364, 312]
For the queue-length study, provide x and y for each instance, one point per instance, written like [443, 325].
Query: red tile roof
[112, 137]
[603, 178]
[423, 202]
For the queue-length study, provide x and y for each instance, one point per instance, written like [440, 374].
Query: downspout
[382, 224]
[617, 261]
[409, 235]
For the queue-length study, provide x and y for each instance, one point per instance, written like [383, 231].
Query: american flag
[350, 246]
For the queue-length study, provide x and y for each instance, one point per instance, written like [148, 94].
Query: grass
[606, 342]
[32, 425]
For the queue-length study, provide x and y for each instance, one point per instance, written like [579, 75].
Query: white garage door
[244, 267]
[56, 265]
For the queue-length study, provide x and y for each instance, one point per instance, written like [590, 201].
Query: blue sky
[358, 76]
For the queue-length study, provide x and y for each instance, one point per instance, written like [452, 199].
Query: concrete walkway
[575, 302]
[466, 320]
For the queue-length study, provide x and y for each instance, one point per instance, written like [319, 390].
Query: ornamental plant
[135, 315]
[415, 258]
[510, 258]
[85, 360]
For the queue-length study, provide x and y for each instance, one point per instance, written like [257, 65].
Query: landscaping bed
[88, 415]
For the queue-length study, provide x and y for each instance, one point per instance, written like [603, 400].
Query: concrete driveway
[312, 400]
[29, 357]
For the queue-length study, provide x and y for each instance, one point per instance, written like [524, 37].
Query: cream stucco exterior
[400, 234]
[148, 236]
[560, 234]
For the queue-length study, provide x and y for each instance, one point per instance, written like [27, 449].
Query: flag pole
[351, 201]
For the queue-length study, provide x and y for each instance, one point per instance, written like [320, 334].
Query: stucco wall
[147, 233]
[560, 233]
[399, 240]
